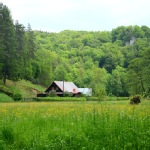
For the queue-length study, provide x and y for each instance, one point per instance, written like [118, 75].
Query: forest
[113, 62]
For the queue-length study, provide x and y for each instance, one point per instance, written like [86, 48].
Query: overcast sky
[87, 15]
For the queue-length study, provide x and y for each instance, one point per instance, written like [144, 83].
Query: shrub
[67, 94]
[52, 93]
[17, 97]
[135, 100]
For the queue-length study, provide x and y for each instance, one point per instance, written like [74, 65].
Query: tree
[127, 34]
[111, 57]
[146, 71]
[1, 44]
[146, 31]
[29, 53]
[117, 82]
[118, 33]
[43, 73]
[135, 77]
[7, 44]
[17, 64]
[99, 82]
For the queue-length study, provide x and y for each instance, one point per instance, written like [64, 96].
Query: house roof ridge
[63, 81]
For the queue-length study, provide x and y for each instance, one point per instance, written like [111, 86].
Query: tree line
[113, 62]
[17, 48]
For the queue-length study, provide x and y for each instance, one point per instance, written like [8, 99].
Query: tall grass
[69, 125]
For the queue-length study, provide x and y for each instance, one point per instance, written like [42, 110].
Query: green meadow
[113, 125]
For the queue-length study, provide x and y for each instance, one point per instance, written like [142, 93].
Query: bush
[135, 100]
[67, 94]
[17, 97]
[52, 93]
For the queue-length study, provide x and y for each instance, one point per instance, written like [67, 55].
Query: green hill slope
[25, 88]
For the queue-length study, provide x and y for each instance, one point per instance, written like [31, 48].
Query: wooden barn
[61, 87]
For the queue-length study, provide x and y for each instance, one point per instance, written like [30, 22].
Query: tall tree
[99, 82]
[146, 71]
[29, 53]
[7, 43]
[18, 63]
[31, 42]
[117, 82]
[1, 43]
[136, 77]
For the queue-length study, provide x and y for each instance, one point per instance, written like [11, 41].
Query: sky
[85, 15]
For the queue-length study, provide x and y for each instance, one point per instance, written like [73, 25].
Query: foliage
[99, 82]
[7, 39]
[135, 100]
[67, 94]
[17, 97]
[117, 82]
[6, 90]
[17, 49]
[52, 93]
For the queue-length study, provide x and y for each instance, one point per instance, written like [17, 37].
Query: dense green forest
[113, 62]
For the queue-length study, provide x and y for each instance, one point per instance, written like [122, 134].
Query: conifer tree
[7, 43]
[29, 53]
[18, 63]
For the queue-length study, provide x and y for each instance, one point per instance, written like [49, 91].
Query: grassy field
[75, 126]
[25, 88]
[5, 98]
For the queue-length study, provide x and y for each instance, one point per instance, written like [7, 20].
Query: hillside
[25, 88]
[110, 62]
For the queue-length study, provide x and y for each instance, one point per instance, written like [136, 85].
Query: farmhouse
[61, 87]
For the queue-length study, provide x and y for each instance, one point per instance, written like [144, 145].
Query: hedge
[59, 99]
[92, 98]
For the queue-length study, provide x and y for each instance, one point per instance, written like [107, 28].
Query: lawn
[75, 125]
